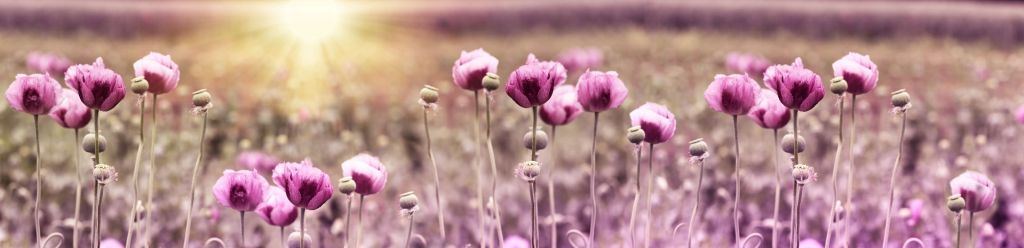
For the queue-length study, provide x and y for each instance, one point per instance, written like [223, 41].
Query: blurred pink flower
[810, 243]
[111, 243]
[658, 123]
[71, 112]
[600, 91]
[240, 190]
[860, 73]
[732, 94]
[159, 70]
[580, 59]
[469, 70]
[259, 161]
[516, 241]
[47, 63]
[915, 207]
[214, 215]
[977, 190]
[306, 186]
[748, 63]
[562, 108]
[34, 94]
[797, 87]
[769, 112]
[531, 84]
[367, 171]
[1020, 115]
[275, 209]
[97, 87]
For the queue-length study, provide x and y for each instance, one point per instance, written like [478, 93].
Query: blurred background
[326, 80]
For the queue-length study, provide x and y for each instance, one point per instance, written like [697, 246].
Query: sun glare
[310, 21]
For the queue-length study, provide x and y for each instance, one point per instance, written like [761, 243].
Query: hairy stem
[835, 177]
[736, 202]
[437, 177]
[408, 235]
[192, 190]
[892, 180]
[636, 199]
[849, 177]
[778, 188]
[359, 227]
[696, 204]
[78, 190]
[39, 184]
[135, 172]
[551, 195]
[494, 173]
[650, 194]
[152, 171]
[593, 183]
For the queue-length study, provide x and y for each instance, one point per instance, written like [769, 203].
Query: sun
[310, 21]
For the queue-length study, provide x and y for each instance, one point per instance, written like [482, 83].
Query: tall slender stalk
[835, 176]
[892, 179]
[534, 227]
[959, 219]
[796, 217]
[970, 229]
[348, 219]
[650, 194]
[135, 171]
[494, 170]
[241, 229]
[736, 202]
[796, 186]
[152, 172]
[359, 228]
[551, 195]
[192, 190]
[636, 198]
[99, 219]
[477, 170]
[593, 183]
[96, 183]
[437, 177]
[408, 235]
[849, 177]
[696, 204]
[39, 184]
[283, 238]
[778, 188]
[534, 230]
[78, 190]
[302, 226]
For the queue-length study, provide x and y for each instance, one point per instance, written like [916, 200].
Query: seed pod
[293, 240]
[635, 135]
[408, 200]
[542, 139]
[698, 148]
[201, 98]
[104, 174]
[528, 171]
[139, 85]
[803, 173]
[956, 203]
[346, 185]
[900, 98]
[491, 82]
[787, 144]
[838, 86]
[89, 143]
[429, 94]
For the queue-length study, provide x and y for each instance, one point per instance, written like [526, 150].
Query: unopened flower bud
[635, 135]
[803, 173]
[698, 148]
[104, 174]
[429, 94]
[408, 200]
[139, 85]
[89, 143]
[838, 86]
[956, 203]
[528, 171]
[296, 240]
[900, 98]
[346, 185]
[787, 143]
[491, 82]
[542, 139]
[201, 98]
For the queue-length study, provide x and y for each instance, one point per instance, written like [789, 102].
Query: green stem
[99, 219]
[796, 218]
[650, 194]
[408, 235]
[135, 172]
[796, 160]
[78, 190]
[96, 183]
[348, 218]
[593, 183]
[849, 177]
[494, 171]
[892, 180]
[241, 229]
[551, 194]
[778, 188]
[359, 228]
[437, 177]
[302, 228]
[696, 205]
[970, 229]
[192, 190]
[736, 202]
[533, 216]
[478, 170]
[39, 184]
[152, 171]
[959, 219]
[835, 177]
[636, 198]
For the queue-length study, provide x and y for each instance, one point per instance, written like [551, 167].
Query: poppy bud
[542, 139]
[346, 185]
[838, 86]
[787, 144]
[492, 81]
[429, 94]
[528, 171]
[635, 135]
[104, 174]
[803, 174]
[408, 200]
[698, 148]
[296, 240]
[956, 203]
[139, 85]
[201, 98]
[89, 143]
[900, 98]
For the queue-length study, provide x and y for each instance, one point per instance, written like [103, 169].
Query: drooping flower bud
[201, 98]
[698, 148]
[635, 135]
[492, 81]
[408, 200]
[429, 94]
[787, 143]
[89, 143]
[346, 185]
[104, 174]
[528, 171]
[139, 85]
[838, 86]
[900, 98]
[956, 203]
[542, 139]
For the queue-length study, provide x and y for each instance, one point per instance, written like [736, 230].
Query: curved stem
[696, 205]
[778, 188]
[133, 215]
[348, 219]
[650, 194]
[636, 198]
[78, 190]
[736, 202]
[408, 236]
[593, 183]
[494, 173]
[152, 171]
[39, 184]
[551, 195]
[359, 228]
[437, 177]
[192, 190]
[892, 180]
[835, 177]
[477, 166]
[849, 177]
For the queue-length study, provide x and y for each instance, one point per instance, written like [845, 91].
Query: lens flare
[311, 21]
